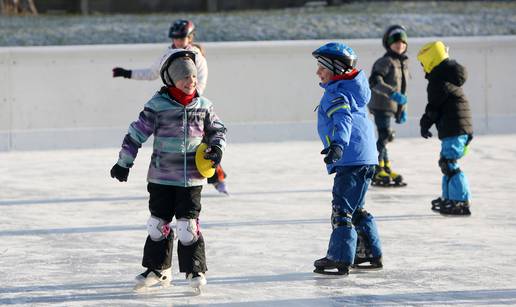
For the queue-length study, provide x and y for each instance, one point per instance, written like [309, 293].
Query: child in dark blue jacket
[350, 152]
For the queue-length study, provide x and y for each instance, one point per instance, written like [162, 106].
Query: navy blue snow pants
[349, 190]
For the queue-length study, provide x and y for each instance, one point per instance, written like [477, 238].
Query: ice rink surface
[72, 236]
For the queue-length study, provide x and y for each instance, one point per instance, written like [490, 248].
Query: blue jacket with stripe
[342, 119]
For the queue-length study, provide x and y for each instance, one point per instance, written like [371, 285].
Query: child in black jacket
[449, 110]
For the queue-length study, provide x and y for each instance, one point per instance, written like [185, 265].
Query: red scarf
[180, 96]
[347, 76]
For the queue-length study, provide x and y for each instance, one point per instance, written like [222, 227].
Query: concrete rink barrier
[65, 97]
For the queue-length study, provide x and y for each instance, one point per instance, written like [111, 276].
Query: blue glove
[399, 98]
[402, 118]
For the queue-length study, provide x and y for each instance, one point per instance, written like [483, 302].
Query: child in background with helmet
[388, 82]
[350, 152]
[182, 33]
[449, 110]
[180, 120]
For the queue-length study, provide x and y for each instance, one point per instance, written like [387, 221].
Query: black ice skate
[364, 258]
[437, 203]
[369, 263]
[455, 208]
[329, 267]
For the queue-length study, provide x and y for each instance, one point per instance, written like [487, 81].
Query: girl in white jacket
[182, 35]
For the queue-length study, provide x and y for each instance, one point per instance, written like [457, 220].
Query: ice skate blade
[197, 291]
[145, 288]
[337, 273]
[454, 215]
[146, 285]
[367, 267]
[389, 185]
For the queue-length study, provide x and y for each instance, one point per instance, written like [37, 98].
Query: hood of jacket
[449, 71]
[358, 86]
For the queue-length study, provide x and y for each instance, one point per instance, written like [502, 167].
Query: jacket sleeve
[150, 73]
[437, 95]
[381, 69]
[214, 130]
[139, 131]
[202, 72]
[339, 111]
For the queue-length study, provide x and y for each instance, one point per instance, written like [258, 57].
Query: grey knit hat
[178, 65]
[182, 68]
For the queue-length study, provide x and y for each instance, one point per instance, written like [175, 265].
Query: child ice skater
[180, 120]
[449, 110]
[350, 152]
[182, 34]
[388, 82]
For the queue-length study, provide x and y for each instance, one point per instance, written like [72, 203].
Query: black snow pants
[165, 202]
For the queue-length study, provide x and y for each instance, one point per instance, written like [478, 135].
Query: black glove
[426, 133]
[213, 153]
[119, 172]
[425, 123]
[120, 72]
[333, 153]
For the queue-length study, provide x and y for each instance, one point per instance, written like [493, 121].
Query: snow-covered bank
[355, 20]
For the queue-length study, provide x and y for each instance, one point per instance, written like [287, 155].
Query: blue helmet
[337, 57]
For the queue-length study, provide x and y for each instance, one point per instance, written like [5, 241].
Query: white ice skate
[151, 278]
[197, 280]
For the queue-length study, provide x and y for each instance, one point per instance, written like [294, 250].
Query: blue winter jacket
[342, 119]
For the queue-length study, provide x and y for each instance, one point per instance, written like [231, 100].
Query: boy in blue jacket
[350, 152]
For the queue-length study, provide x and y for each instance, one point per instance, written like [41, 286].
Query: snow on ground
[72, 236]
[359, 19]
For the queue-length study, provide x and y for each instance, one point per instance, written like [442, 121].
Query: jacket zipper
[185, 121]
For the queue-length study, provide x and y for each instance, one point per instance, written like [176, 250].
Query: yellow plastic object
[204, 166]
[432, 54]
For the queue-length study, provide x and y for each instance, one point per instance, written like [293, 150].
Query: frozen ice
[72, 236]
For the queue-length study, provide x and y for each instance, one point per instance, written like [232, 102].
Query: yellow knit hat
[432, 54]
